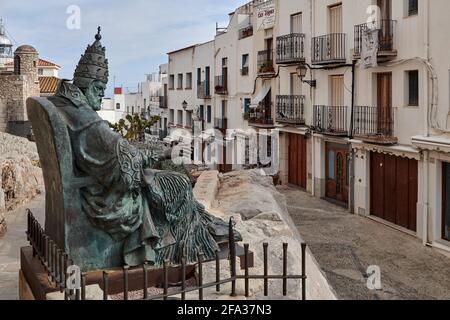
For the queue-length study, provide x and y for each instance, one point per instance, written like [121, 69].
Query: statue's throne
[65, 223]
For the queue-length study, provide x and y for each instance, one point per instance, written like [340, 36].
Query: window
[172, 116]
[224, 109]
[208, 114]
[245, 62]
[180, 117]
[180, 81]
[413, 87]
[40, 71]
[202, 112]
[145, 103]
[132, 109]
[128, 109]
[171, 82]
[189, 80]
[413, 7]
[118, 106]
[199, 75]
[247, 102]
[296, 23]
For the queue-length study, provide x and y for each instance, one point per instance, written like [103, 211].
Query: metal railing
[291, 48]
[261, 114]
[330, 120]
[265, 61]
[373, 121]
[290, 109]
[221, 123]
[329, 48]
[245, 32]
[203, 90]
[385, 35]
[244, 71]
[56, 263]
[220, 84]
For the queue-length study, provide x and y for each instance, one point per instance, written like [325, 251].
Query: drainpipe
[312, 96]
[427, 54]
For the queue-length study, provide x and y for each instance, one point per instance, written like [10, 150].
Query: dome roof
[26, 49]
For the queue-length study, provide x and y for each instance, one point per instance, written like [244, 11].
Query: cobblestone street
[10, 245]
[344, 245]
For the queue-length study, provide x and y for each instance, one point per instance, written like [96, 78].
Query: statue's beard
[95, 102]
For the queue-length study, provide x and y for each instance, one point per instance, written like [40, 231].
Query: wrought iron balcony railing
[329, 49]
[261, 115]
[203, 90]
[221, 85]
[245, 32]
[330, 120]
[291, 48]
[374, 124]
[244, 71]
[265, 62]
[385, 36]
[290, 109]
[221, 123]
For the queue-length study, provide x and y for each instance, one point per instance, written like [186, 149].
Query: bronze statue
[150, 215]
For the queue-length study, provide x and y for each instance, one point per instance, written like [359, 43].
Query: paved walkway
[10, 245]
[345, 245]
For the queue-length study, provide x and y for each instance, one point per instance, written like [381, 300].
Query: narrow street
[344, 245]
[11, 243]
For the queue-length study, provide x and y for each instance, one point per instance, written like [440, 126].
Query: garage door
[393, 189]
[297, 160]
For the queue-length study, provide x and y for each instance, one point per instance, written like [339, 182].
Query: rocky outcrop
[261, 217]
[20, 175]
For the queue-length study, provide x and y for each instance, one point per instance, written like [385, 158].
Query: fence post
[232, 249]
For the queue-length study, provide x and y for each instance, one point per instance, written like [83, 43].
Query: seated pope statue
[153, 212]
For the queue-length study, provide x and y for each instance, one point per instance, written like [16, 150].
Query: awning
[261, 94]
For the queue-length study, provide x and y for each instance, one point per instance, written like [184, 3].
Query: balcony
[221, 85]
[163, 102]
[385, 38]
[245, 32]
[291, 48]
[221, 123]
[374, 125]
[203, 90]
[290, 110]
[329, 49]
[330, 120]
[265, 62]
[261, 116]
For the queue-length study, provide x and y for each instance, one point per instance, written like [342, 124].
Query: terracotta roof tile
[41, 63]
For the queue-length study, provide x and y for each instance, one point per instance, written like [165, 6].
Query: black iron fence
[265, 61]
[290, 109]
[291, 48]
[221, 84]
[330, 119]
[385, 35]
[373, 121]
[56, 263]
[329, 48]
[203, 90]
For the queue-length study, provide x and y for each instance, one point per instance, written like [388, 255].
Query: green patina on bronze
[106, 203]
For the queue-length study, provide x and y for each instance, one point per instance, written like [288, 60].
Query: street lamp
[301, 72]
[184, 104]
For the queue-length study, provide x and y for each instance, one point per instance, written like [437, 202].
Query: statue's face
[95, 93]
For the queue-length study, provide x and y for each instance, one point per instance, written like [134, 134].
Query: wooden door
[384, 99]
[393, 189]
[446, 201]
[337, 172]
[385, 9]
[297, 160]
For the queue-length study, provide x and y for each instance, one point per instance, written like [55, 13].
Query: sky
[137, 34]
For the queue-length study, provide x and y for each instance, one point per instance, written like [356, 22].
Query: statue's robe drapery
[153, 212]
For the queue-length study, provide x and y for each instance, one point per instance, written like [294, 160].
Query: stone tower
[6, 55]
